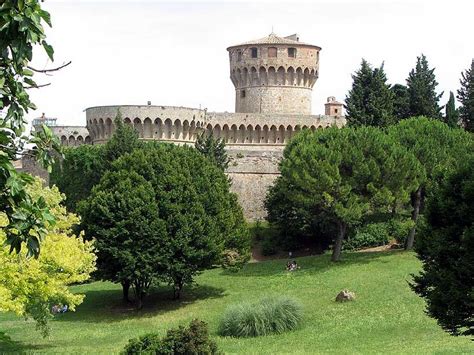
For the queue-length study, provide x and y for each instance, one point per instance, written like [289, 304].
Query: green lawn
[386, 317]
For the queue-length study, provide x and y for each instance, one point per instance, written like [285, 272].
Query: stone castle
[273, 78]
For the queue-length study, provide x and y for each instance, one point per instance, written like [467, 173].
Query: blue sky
[174, 53]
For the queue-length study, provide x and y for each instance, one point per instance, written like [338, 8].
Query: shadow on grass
[7, 345]
[107, 305]
[312, 263]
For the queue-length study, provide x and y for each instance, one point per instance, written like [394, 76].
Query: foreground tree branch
[45, 71]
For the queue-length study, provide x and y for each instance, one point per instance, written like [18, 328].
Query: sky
[174, 53]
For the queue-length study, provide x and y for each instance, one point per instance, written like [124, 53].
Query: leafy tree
[81, 169]
[83, 166]
[213, 149]
[438, 148]
[446, 249]
[20, 30]
[452, 115]
[201, 218]
[466, 97]
[30, 286]
[422, 85]
[122, 216]
[345, 175]
[401, 104]
[370, 101]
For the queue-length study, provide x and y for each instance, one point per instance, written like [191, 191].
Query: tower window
[335, 110]
[239, 56]
[242, 93]
[254, 52]
[292, 52]
[272, 52]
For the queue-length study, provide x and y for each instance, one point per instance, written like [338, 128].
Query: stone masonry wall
[261, 99]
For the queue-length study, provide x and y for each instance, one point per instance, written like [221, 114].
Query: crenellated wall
[167, 123]
[72, 136]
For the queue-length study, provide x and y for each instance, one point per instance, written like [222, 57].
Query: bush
[191, 340]
[268, 316]
[399, 229]
[232, 260]
[146, 343]
[269, 245]
[370, 235]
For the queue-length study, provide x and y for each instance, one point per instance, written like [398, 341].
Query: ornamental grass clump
[268, 316]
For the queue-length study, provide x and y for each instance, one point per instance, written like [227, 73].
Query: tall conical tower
[274, 75]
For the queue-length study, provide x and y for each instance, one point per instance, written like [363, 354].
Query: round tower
[274, 75]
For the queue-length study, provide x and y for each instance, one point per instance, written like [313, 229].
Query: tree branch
[44, 71]
[37, 86]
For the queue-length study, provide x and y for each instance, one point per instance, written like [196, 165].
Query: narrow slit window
[242, 93]
[239, 56]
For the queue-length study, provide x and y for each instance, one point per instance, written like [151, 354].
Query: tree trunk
[414, 216]
[125, 289]
[178, 286]
[138, 290]
[140, 300]
[336, 252]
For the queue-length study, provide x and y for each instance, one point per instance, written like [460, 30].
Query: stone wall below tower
[274, 99]
[253, 171]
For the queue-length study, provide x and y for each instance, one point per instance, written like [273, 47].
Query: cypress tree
[466, 97]
[213, 149]
[401, 104]
[370, 101]
[452, 115]
[422, 84]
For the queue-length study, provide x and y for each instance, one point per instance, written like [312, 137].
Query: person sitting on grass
[292, 266]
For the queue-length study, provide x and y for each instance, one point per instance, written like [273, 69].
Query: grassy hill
[386, 317]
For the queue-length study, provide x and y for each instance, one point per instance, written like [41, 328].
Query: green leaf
[27, 72]
[45, 16]
[49, 50]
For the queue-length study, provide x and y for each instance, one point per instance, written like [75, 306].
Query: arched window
[254, 52]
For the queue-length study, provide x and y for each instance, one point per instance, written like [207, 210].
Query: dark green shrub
[370, 235]
[399, 229]
[232, 260]
[191, 340]
[269, 245]
[268, 316]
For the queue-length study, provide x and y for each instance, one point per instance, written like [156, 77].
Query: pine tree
[452, 114]
[466, 97]
[213, 149]
[401, 104]
[422, 84]
[370, 101]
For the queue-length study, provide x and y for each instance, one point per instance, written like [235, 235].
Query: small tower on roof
[333, 107]
[274, 75]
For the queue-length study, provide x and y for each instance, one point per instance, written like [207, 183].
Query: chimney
[293, 37]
